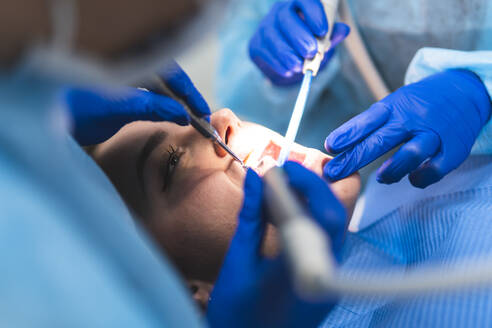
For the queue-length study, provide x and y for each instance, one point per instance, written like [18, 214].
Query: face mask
[58, 60]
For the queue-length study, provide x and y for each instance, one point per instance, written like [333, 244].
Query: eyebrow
[156, 139]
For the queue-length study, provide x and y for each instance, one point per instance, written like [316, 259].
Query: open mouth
[259, 148]
[273, 150]
[269, 156]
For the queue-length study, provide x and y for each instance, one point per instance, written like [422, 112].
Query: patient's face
[188, 192]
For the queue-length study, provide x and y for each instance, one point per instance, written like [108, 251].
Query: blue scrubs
[446, 222]
[442, 224]
[393, 32]
[70, 253]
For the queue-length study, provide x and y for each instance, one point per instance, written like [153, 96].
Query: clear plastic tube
[295, 119]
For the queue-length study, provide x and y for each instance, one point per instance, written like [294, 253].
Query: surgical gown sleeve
[240, 84]
[429, 61]
[70, 253]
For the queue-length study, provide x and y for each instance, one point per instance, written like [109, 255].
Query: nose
[226, 123]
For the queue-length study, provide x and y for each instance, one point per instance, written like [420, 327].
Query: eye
[173, 160]
[170, 166]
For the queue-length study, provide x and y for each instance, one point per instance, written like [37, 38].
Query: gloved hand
[253, 291]
[287, 36]
[436, 119]
[98, 114]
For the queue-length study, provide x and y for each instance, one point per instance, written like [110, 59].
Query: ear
[200, 291]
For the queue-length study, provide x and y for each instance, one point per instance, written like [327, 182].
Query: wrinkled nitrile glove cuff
[480, 96]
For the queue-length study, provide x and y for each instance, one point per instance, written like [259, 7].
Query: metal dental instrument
[310, 69]
[206, 129]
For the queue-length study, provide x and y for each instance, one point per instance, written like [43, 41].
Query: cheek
[347, 191]
[197, 233]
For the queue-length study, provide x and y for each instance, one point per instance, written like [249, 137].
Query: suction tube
[306, 245]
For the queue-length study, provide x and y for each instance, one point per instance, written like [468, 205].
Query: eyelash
[171, 165]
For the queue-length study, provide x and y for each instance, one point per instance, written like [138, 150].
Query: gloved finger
[340, 32]
[313, 15]
[408, 157]
[363, 153]
[179, 83]
[435, 169]
[99, 114]
[325, 208]
[328, 56]
[269, 65]
[357, 128]
[148, 106]
[246, 244]
[296, 32]
[281, 50]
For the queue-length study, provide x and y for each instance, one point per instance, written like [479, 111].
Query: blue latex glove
[98, 114]
[287, 36]
[436, 119]
[253, 291]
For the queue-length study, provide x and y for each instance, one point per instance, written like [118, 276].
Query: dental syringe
[307, 247]
[310, 69]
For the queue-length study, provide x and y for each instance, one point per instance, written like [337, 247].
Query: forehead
[124, 147]
[131, 137]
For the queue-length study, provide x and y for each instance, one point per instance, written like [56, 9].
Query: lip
[259, 148]
[251, 140]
